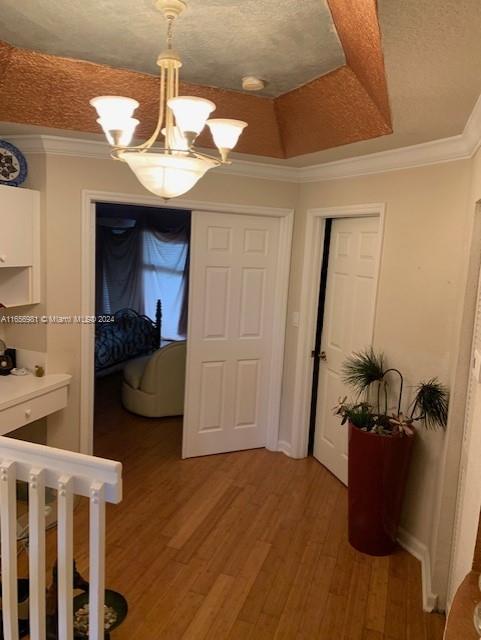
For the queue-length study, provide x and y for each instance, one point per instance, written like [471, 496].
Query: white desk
[24, 399]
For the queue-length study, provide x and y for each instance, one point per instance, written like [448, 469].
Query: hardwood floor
[248, 545]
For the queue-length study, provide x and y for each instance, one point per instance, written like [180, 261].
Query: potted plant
[380, 446]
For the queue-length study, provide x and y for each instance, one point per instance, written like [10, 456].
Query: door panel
[348, 327]
[247, 393]
[231, 312]
[217, 294]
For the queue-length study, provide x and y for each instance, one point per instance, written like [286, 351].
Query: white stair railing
[69, 474]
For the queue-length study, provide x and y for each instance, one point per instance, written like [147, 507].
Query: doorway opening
[315, 244]
[345, 325]
[222, 232]
[141, 310]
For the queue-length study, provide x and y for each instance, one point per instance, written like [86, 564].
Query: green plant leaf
[362, 369]
[431, 404]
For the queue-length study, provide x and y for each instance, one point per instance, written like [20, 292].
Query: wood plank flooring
[241, 546]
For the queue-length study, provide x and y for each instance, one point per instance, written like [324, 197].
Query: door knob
[323, 355]
[3, 258]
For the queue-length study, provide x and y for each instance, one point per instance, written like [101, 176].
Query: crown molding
[83, 148]
[435, 152]
[460, 147]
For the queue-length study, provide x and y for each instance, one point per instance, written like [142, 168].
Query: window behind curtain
[163, 264]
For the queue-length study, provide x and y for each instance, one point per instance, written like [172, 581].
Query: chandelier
[175, 167]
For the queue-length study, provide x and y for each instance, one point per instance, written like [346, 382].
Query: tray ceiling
[286, 42]
[430, 60]
[347, 104]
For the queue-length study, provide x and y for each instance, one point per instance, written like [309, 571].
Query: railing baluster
[40, 466]
[65, 558]
[97, 561]
[8, 527]
[36, 553]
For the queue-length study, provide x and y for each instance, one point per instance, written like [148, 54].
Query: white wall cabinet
[19, 246]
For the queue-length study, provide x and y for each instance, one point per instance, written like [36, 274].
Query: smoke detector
[251, 83]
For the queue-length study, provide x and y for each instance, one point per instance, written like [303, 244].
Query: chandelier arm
[206, 156]
[169, 123]
[150, 141]
[187, 153]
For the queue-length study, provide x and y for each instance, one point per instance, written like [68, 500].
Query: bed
[128, 335]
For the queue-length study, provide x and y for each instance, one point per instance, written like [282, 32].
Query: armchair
[153, 385]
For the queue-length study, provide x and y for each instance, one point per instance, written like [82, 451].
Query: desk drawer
[31, 410]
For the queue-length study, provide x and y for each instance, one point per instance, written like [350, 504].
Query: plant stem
[401, 384]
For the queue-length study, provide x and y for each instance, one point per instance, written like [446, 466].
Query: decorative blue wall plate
[13, 166]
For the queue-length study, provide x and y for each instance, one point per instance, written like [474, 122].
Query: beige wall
[421, 294]
[65, 178]
[421, 288]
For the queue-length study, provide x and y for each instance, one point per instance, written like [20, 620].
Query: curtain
[164, 276]
[119, 280]
[140, 260]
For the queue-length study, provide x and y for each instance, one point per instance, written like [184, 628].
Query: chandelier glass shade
[168, 175]
[173, 167]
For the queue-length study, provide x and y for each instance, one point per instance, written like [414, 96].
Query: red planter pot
[377, 474]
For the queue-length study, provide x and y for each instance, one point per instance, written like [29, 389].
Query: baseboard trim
[284, 447]
[420, 551]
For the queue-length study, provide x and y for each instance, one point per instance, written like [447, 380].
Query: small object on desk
[5, 361]
[39, 371]
[13, 355]
[20, 371]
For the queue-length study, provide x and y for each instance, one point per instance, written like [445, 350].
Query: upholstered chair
[154, 385]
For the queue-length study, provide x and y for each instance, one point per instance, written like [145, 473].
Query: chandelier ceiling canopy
[176, 166]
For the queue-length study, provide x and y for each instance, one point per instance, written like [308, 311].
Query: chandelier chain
[170, 32]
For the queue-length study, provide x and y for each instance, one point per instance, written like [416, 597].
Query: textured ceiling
[432, 58]
[287, 42]
[347, 104]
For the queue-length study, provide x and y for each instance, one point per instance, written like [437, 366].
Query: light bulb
[176, 139]
[191, 114]
[115, 118]
[226, 133]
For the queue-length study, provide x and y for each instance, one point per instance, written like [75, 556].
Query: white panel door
[230, 341]
[348, 327]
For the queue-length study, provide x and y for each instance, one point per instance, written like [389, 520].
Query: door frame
[455, 467]
[87, 296]
[311, 275]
